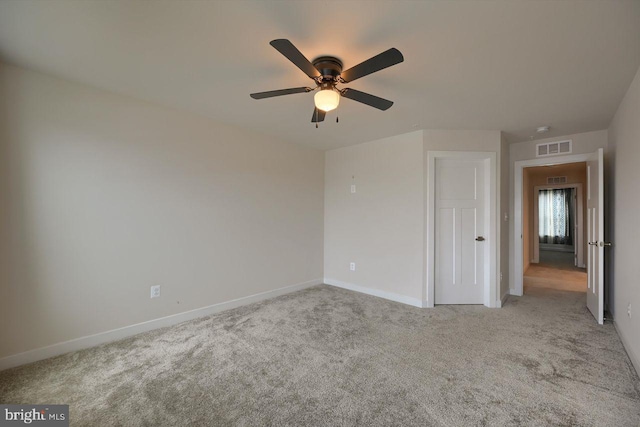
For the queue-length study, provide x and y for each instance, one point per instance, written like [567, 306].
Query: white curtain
[555, 216]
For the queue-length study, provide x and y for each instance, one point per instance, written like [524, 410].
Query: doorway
[554, 227]
[558, 221]
[594, 225]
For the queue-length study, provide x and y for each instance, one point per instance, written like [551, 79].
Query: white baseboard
[635, 360]
[377, 293]
[127, 331]
[514, 293]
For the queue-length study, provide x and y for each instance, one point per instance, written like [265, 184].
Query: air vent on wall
[553, 148]
[556, 180]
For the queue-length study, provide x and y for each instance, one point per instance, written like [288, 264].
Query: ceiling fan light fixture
[326, 99]
[326, 72]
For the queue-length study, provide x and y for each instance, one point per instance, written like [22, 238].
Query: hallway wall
[623, 231]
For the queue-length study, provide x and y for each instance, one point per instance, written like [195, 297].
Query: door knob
[593, 243]
[602, 244]
[479, 239]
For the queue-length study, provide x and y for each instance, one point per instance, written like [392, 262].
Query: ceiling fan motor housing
[329, 67]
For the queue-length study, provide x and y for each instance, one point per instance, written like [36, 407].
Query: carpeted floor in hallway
[326, 356]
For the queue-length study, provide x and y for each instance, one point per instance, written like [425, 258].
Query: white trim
[492, 285]
[516, 263]
[503, 300]
[635, 360]
[579, 226]
[376, 293]
[127, 331]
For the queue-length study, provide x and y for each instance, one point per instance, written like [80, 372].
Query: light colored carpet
[326, 356]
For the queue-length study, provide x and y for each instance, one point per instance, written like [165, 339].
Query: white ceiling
[492, 65]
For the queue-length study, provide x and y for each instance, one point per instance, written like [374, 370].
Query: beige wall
[623, 230]
[576, 173]
[380, 227]
[583, 143]
[103, 196]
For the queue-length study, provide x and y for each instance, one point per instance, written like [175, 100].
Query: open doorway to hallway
[554, 236]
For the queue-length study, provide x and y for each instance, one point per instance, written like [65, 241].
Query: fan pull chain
[337, 121]
[316, 125]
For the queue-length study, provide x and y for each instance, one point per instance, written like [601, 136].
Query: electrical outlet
[155, 291]
[352, 266]
[353, 188]
[501, 276]
[629, 310]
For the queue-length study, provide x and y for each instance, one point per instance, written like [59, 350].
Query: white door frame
[578, 227]
[517, 267]
[491, 285]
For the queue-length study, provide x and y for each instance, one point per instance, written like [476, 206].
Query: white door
[460, 240]
[595, 233]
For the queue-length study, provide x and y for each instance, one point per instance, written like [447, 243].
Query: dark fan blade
[272, 93]
[292, 53]
[318, 115]
[379, 62]
[366, 98]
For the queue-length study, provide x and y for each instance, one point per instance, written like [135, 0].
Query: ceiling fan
[326, 72]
